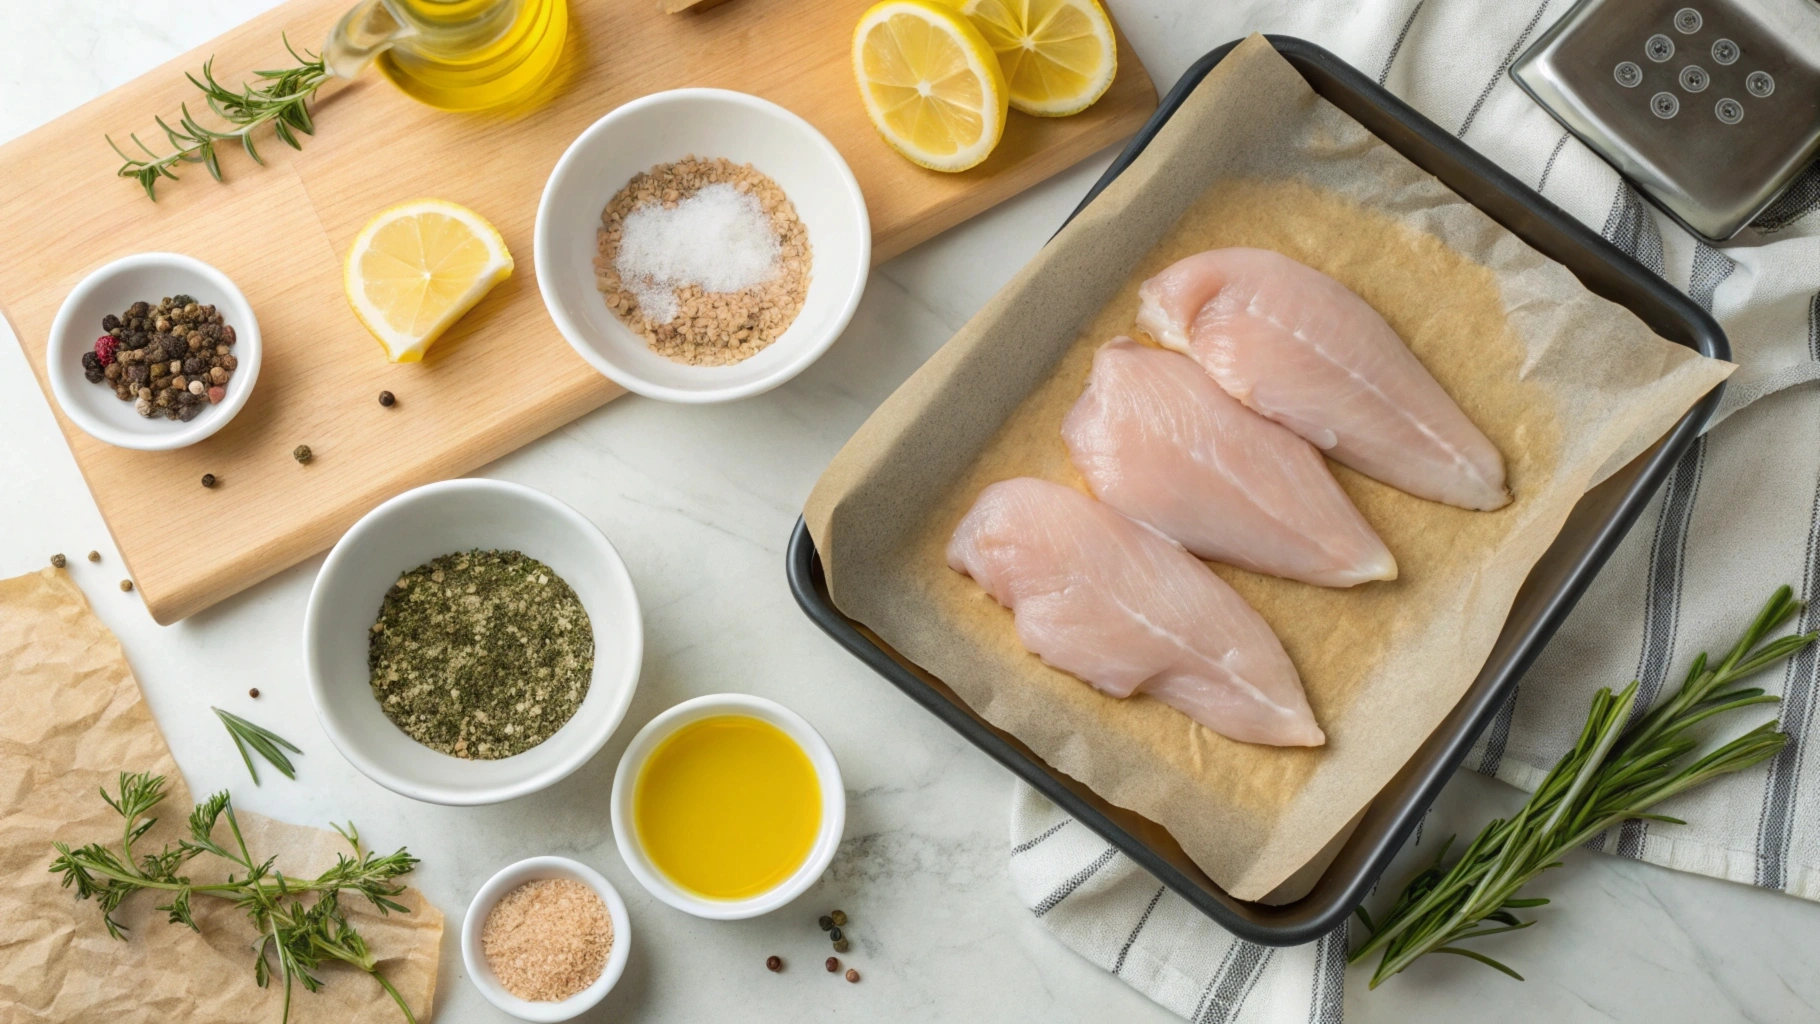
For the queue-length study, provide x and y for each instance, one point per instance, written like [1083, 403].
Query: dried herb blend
[481, 654]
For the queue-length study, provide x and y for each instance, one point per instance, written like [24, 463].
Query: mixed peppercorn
[173, 359]
[831, 923]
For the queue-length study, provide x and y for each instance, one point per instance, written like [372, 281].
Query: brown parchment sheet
[1565, 384]
[74, 720]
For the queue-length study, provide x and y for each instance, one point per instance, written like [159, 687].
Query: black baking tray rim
[1591, 534]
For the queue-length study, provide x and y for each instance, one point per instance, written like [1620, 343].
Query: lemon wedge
[416, 268]
[1058, 56]
[931, 84]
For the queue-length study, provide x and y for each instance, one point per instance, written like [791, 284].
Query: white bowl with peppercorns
[153, 351]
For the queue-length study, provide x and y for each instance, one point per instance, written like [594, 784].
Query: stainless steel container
[1711, 107]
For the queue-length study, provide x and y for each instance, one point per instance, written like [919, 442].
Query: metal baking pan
[1591, 533]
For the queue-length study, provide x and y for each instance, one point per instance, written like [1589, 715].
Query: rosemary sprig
[282, 100]
[261, 739]
[1612, 774]
[298, 933]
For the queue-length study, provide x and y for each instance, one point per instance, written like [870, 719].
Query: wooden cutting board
[502, 376]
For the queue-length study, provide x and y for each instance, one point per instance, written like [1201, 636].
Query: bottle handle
[363, 33]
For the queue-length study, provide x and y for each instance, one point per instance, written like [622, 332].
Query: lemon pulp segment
[416, 268]
[1058, 56]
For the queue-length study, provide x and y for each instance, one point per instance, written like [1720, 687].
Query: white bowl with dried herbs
[472, 641]
[702, 245]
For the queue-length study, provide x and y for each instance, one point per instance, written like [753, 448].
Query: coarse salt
[719, 239]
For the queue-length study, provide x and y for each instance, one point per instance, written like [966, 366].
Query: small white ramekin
[511, 877]
[706, 123]
[145, 277]
[441, 519]
[827, 775]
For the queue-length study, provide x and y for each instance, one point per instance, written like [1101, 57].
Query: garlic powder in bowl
[547, 939]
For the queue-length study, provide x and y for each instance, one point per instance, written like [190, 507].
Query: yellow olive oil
[727, 807]
[477, 54]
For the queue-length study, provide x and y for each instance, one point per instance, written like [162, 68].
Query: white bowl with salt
[711, 240]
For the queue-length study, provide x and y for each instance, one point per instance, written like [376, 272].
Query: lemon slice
[417, 267]
[1058, 55]
[930, 83]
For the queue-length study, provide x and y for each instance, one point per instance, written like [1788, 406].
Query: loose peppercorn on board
[502, 376]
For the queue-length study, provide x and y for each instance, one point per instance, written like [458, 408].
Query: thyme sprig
[1611, 775]
[282, 100]
[263, 741]
[300, 920]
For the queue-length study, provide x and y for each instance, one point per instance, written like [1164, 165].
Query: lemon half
[416, 268]
[1058, 56]
[930, 82]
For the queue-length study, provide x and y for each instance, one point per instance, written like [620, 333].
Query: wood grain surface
[503, 375]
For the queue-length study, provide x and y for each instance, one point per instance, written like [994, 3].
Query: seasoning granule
[708, 328]
[547, 940]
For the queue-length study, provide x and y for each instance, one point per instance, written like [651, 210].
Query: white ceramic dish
[511, 877]
[145, 277]
[668, 126]
[827, 774]
[439, 519]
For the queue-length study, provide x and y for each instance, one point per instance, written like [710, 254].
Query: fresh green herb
[263, 740]
[282, 100]
[299, 934]
[481, 654]
[1612, 774]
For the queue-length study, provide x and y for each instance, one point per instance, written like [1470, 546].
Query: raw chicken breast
[1115, 603]
[1158, 440]
[1297, 346]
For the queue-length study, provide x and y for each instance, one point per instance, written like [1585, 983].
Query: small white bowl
[706, 123]
[440, 519]
[146, 277]
[827, 776]
[511, 877]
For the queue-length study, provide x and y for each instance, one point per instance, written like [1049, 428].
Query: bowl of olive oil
[728, 806]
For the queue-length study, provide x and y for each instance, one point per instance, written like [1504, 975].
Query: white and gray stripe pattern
[1776, 826]
[1118, 916]
[1738, 516]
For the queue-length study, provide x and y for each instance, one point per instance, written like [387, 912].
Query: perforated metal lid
[1711, 107]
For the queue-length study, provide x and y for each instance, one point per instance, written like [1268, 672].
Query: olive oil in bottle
[454, 54]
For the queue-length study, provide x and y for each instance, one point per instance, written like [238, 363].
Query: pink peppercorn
[104, 348]
[216, 394]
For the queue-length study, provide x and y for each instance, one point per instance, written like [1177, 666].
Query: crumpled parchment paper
[74, 719]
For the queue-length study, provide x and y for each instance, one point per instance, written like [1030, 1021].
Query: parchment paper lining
[1562, 381]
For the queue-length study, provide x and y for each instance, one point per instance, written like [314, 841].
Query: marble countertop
[700, 501]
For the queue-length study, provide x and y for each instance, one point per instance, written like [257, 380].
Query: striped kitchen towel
[1739, 516]
[1118, 916]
